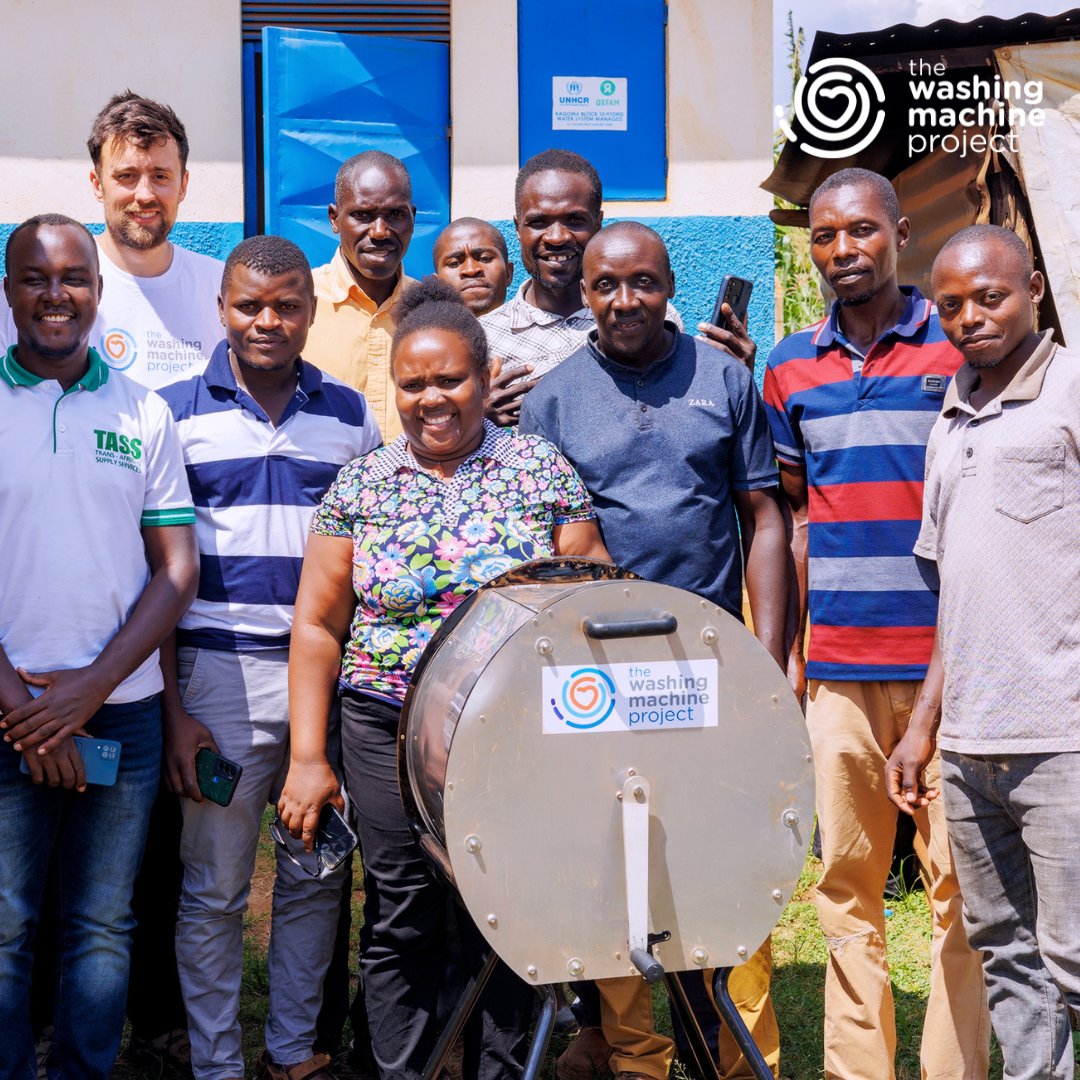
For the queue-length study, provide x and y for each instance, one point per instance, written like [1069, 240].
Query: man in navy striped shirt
[264, 433]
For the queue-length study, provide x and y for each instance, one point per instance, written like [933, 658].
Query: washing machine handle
[655, 624]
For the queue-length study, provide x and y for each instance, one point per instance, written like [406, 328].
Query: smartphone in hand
[334, 843]
[735, 292]
[100, 758]
[217, 776]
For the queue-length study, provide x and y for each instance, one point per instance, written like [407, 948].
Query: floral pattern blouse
[422, 544]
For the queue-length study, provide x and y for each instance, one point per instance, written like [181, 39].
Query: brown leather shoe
[586, 1058]
[317, 1067]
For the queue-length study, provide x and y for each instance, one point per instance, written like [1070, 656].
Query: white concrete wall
[720, 117]
[63, 59]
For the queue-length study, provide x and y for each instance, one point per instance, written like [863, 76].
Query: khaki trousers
[853, 728]
[627, 1021]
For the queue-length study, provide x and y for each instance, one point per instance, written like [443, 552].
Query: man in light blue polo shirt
[264, 434]
[98, 563]
[670, 436]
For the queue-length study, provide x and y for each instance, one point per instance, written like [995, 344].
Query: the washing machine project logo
[588, 696]
[118, 349]
[656, 695]
[840, 105]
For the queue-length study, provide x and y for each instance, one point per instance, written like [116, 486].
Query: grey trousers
[1013, 823]
[243, 699]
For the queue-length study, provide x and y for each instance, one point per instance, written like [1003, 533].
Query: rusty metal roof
[965, 48]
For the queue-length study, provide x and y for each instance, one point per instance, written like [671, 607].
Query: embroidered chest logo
[114, 448]
[703, 402]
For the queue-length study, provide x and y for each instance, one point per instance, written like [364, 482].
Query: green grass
[798, 982]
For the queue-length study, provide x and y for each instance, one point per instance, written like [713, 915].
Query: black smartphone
[100, 758]
[334, 843]
[735, 292]
[217, 776]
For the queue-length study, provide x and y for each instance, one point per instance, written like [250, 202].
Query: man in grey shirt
[1001, 514]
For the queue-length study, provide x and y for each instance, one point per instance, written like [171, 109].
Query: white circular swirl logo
[839, 104]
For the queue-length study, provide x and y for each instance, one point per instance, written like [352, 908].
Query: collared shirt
[84, 470]
[520, 333]
[1001, 520]
[422, 544]
[661, 451]
[351, 338]
[255, 488]
[861, 436]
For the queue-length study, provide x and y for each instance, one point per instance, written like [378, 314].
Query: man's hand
[796, 673]
[309, 786]
[734, 340]
[904, 771]
[184, 738]
[70, 699]
[62, 768]
[504, 401]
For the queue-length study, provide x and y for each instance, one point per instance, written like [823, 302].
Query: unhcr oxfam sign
[588, 103]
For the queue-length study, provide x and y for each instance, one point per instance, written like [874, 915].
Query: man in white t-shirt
[157, 321]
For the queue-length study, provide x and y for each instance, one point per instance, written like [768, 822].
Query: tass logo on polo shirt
[113, 448]
[118, 349]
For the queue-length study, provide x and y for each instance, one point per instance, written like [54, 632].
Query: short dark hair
[367, 159]
[475, 222]
[45, 219]
[431, 304]
[632, 228]
[976, 235]
[885, 192]
[560, 161]
[139, 120]
[270, 256]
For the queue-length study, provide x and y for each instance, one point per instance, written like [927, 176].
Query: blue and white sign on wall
[588, 103]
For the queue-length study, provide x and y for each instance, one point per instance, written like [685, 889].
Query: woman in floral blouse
[401, 538]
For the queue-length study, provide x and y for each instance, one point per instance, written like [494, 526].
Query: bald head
[376, 161]
[985, 239]
[630, 236]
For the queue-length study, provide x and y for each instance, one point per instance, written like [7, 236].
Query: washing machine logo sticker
[588, 696]
[659, 695]
[118, 349]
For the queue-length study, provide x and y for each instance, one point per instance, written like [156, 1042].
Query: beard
[57, 352]
[130, 234]
[856, 301]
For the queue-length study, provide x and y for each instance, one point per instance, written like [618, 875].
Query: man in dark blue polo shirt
[671, 438]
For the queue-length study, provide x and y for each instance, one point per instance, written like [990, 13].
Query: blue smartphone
[101, 759]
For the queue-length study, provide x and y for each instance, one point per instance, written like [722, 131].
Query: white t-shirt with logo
[154, 329]
[83, 472]
[159, 329]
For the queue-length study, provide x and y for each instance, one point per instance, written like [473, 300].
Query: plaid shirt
[520, 333]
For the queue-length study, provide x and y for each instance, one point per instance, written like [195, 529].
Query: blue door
[329, 96]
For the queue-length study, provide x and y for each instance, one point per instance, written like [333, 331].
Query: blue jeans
[96, 838]
[1013, 823]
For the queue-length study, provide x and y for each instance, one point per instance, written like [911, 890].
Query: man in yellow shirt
[373, 214]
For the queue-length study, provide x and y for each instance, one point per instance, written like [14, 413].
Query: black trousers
[404, 943]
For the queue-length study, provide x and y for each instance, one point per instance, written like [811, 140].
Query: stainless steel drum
[603, 765]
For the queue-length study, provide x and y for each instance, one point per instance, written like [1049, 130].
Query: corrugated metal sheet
[426, 21]
[964, 47]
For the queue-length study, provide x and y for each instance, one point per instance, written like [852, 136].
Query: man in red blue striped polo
[851, 401]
